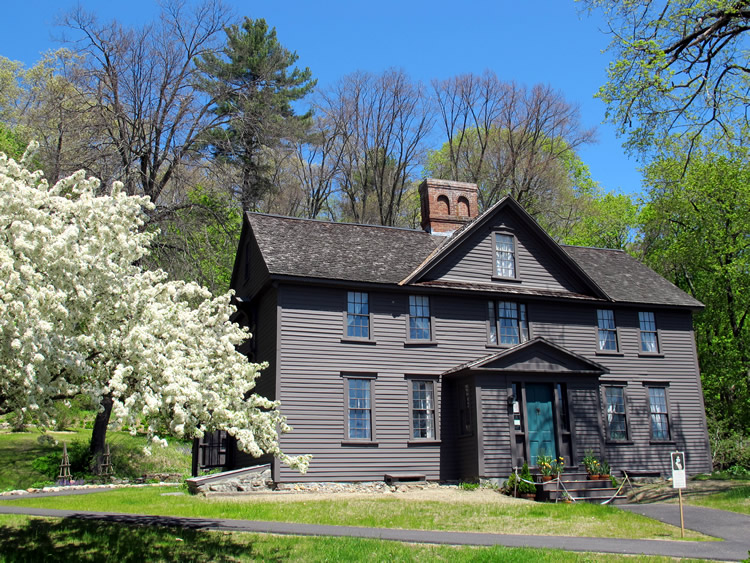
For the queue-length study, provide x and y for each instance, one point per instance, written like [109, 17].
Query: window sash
[657, 398]
[649, 340]
[359, 409]
[508, 320]
[605, 319]
[358, 315]
[419, 317]
[423, 410]
[505, 256]
[616, 420]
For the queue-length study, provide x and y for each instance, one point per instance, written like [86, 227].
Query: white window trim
[495, 274]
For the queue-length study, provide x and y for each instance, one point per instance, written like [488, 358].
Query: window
[419, 318]
[357, 315]
[649, 342]
[562, 393]
[505, 256]
[516, 406]
[605, 319]
[616, 423]
[508, 322]
[423, 410]
[359, 409]
[465, 410]
[657, 398]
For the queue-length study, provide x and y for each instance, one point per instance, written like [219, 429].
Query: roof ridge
[593, 247]
[324, 221]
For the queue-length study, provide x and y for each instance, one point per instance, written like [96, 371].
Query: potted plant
[591, 463]
[604, 470]
[565, 497]
[545, 464]
[558, 466]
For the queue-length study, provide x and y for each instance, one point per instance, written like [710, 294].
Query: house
[463, 349]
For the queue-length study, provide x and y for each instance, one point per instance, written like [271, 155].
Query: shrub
[78, 455]
[526, 486]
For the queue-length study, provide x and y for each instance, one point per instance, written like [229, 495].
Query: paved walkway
[734, 528]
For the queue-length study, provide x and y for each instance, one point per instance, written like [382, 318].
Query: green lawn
[500, 516]
[19, 449]
[735, 500]
[38, 539]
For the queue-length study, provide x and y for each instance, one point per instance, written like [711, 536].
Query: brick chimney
[447, 205]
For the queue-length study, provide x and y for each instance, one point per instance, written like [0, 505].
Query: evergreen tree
[254, 85]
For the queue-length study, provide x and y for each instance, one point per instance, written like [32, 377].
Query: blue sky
[545, 41]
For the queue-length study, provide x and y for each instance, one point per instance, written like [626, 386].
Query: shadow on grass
[84, 541]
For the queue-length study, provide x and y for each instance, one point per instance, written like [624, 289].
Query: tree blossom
[78, 315]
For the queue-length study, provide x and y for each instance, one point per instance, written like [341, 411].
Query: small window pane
[505, 265]
[419, 317]
[607, 331]
[357, 315]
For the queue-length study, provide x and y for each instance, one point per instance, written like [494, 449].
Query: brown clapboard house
[461, 350]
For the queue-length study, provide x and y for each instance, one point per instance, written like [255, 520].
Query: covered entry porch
[533, 399]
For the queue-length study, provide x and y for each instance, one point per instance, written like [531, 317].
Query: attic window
[505, 255]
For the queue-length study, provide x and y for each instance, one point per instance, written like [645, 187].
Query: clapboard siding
[312, 388]
[496, 431]
[538, 268]
[265, 347]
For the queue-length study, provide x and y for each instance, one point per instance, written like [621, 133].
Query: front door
[541, 427]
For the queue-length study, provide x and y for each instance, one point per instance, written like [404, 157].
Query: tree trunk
[99, 433]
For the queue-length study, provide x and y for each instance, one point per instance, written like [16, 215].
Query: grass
[495, 517]
[734, 500]
[37, 539]
[19, 449]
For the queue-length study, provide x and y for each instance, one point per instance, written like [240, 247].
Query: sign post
[679, 482]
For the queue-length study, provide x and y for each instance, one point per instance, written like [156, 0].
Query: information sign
[678, 470]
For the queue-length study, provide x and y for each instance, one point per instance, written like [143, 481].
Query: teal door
[541, 426]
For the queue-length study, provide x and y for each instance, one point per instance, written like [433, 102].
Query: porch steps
[580, 489]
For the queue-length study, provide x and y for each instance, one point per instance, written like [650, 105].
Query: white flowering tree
[78, 315]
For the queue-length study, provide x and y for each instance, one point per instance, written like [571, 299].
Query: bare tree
[141, 83]
[381, 122]
[317, 163]
[469, 107]
[509, 140]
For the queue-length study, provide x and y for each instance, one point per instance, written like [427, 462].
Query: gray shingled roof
[371, 253]
[625, 279]
[340, 251]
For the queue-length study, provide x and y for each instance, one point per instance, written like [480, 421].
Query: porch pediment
[535, 356]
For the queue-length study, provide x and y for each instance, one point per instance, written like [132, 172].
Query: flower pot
[529, 496]
[604, 477]
[546, 478]
[593, 477]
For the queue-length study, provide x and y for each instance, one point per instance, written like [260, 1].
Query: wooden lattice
[64, 476]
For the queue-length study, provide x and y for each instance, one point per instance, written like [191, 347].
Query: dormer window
[505, 255]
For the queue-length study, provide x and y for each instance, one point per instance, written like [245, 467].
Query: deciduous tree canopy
[681, 66]
[79, 315]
